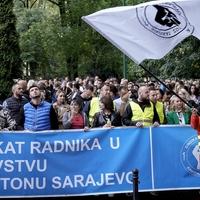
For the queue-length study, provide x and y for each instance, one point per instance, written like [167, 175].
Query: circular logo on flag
[165, 20]
[190, 156]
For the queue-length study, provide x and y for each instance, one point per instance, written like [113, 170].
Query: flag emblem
[164, 20]
[149, 30]
[191, 163]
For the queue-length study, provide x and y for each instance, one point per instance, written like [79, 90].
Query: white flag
[149, 30]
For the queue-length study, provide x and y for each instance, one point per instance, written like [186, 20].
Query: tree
[11, 64]
[85, 51]
[55, 42]
[182, 62]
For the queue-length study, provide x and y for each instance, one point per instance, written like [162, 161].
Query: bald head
[143, 93]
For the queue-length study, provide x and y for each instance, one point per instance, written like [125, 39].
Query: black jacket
[100, 119]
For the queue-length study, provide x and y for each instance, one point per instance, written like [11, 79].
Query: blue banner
[176, 158]
[99, 161]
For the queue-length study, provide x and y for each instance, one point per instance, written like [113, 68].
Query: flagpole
[124, 66]
[174, 93]
[124, 56]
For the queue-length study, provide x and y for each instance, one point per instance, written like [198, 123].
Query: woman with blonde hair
[178, 114]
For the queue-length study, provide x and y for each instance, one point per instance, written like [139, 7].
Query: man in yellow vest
[158, 104]
[141, 112]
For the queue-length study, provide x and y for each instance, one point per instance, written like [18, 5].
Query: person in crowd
[45, 92]
[178, 86]
[195, 122]
[75, 90]
[134, 92]
[80, 82]
[56, 87]
[124, 82]
[166, 100]
[107, 117]
[75, 118]
[85, 96]
[92, 106]
[68, 92]
[178, 114]
[141, 112]
[158, 105]
[85, 82]
[194, 94]
[6, 121]
[15, 103]
[115, 82]
[184, 94]
[151, 86]
[130, 86]
[29, 84]
[23, 85]
[38, 115]
[160, 94]
[114, 92]
[97, 84]
[60, 106]
[121, 103]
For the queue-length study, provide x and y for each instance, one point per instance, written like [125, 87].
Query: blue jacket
[37, 118]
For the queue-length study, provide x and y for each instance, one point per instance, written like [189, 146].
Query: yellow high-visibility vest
[94, 108]
[146, 116]
[160, 111]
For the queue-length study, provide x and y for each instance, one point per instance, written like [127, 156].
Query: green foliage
[182, 62]
[58, 50]
[10, 67]
[56, 43]
[38, 40]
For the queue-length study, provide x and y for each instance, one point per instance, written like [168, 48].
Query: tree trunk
[62, 9]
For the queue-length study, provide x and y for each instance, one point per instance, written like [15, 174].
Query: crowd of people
[38, 105]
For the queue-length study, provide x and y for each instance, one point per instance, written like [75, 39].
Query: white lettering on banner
[23, 183]
[11, 147]
[90, 180]
[21, 165]
[109, 179]
[64, 146]
[56, 180]
[116, 144]
[78, 180]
